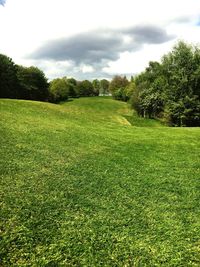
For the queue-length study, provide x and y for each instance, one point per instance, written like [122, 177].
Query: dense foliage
[117, 87]
[72, 87]
[21, 82]
[32, 83]
[171, 89]
[58, 90]
[9, 87]
[85, 88]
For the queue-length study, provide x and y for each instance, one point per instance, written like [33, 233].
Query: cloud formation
[98, 48]
[148, 35]
[87, 47]
[99, 37]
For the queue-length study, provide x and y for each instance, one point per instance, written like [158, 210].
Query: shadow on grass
[65, 101]
[143, 122]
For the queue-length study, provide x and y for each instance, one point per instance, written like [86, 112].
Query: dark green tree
[150, 86]
[9, 87]
[33, 83]
[85, 88]
[72, 84]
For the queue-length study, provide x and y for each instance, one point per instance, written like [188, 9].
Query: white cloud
[28, 25]
[87, 69]
[137, 61]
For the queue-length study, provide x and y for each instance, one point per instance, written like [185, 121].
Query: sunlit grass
[80, 186]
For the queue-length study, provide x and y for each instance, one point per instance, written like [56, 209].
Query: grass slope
[80, 186]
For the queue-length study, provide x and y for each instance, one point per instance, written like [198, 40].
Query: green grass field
[86, 183]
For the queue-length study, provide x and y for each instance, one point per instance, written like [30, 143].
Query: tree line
[168, 90]
[30, 83]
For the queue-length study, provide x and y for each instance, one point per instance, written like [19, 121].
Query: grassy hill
[85, 183]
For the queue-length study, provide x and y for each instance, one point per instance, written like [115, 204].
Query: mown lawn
[85, 184]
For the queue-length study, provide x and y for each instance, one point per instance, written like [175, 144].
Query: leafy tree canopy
[171, 89]
[33, 83]
[58, 90]
[8, 78]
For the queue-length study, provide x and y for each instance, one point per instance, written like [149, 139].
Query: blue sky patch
[198, 22]
[2, 2]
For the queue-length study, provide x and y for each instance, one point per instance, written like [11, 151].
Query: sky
[89, 39]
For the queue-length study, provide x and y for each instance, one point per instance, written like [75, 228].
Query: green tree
[58, 90]
[171, 89]
[85, 88]
[150, 86]
[72, 84]
[117, 87]
[9, 87]
[129, 89]
[33, 83]
[181, 68]
[104, 87]
[96, 86]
